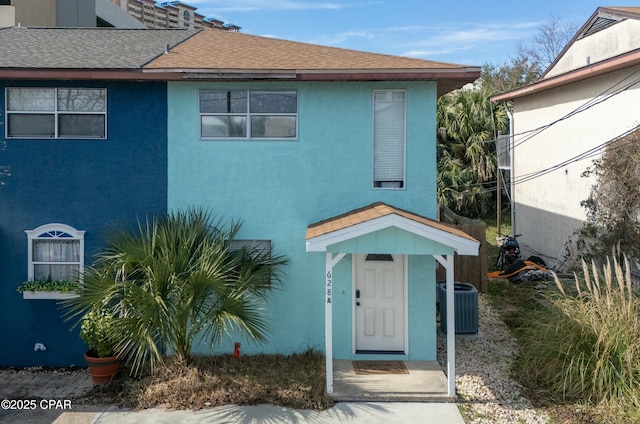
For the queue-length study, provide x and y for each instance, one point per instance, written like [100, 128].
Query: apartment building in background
[106, 13]
[171, 14]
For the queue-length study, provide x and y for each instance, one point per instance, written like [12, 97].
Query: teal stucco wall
[277, 188]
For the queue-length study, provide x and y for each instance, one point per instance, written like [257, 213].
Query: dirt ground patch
[295, 381]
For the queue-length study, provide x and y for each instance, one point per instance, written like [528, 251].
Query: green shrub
[96, 330]
[613, 205]
[585, 344]
[177, 281]
[49, 285]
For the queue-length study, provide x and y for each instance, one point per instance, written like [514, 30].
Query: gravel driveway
[487, 393]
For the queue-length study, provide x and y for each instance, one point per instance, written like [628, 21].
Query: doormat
[379, 367]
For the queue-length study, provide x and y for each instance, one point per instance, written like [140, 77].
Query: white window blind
[389, 139]
[254, 247]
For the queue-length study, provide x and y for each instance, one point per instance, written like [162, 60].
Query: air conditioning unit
[466, 307]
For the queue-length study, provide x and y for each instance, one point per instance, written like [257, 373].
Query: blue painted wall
[278, 188]
[92, 185]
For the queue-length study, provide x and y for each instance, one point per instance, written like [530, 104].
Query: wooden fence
[468, 269]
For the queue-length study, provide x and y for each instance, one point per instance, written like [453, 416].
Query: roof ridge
[345, 214]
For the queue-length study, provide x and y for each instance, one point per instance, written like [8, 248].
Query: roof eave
[447, 79]
[610, 65]
[85, 74]
[464, 75]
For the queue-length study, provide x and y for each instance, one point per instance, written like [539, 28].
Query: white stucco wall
[615, 40]
[548, 207]
[7, 16]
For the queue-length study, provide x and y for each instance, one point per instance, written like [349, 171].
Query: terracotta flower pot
[102, 370]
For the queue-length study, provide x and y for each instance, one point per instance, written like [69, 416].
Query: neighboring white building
[588, 97]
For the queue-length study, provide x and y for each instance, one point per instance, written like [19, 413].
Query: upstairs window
[248, 114]
[56, 113]
[56, 253]
[389, 125]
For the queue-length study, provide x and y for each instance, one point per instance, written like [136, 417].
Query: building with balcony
[170, 14]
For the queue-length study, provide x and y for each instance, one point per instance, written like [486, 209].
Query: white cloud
[442, 40]
[344, 37]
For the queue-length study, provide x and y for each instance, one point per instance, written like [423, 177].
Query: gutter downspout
[511, 172]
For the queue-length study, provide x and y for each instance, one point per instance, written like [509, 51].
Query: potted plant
[49, 289]
[97, 330]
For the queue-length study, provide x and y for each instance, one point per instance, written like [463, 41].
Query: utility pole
[499, 200]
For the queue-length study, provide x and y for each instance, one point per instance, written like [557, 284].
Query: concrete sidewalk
[344, 412]
[39, 390]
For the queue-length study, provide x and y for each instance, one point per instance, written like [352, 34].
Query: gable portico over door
[380, 303]
[383, 229]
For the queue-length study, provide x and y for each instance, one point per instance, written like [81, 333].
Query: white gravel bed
[486, 391]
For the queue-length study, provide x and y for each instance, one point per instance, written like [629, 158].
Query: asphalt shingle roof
[225, 50]
[374, 211]
[84, 48]
[99, 53]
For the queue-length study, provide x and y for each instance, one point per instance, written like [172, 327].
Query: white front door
[379, 302]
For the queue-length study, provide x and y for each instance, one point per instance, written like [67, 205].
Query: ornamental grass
[584, 345]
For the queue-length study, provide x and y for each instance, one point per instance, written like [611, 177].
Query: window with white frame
[389, 124]
[56, 112]
[56, 253]
[248, 114]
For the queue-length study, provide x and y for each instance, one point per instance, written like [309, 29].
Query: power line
[590, 153]
[583, 107]
[587, 154]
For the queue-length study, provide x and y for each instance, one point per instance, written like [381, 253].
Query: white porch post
[328, 325]
[451, 328]
[448, 263]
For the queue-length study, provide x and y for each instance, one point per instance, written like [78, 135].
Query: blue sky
[467, 32]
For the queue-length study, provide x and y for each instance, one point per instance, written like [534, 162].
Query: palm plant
[457, 188]
[174, 279]
[469, 123]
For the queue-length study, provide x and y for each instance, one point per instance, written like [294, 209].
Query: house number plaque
[329, 287]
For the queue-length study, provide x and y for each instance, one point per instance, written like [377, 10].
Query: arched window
[186, 15]
[56, 253]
